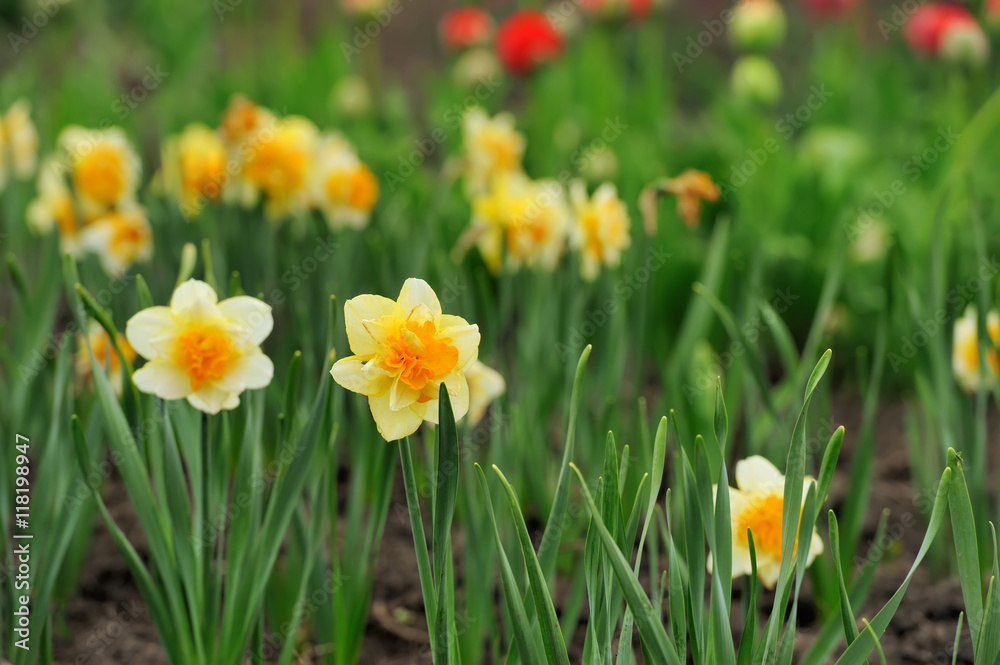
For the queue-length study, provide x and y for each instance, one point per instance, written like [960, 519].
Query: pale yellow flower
[119, 238]
[194, 168]
[104, 352]
[344, 188]
[202, 349]
[965, 349]
[492, 148]
[756, 504]
[55, 206]
[279, 160]
[21, 139]
[602, 227]
[103, 168]
[404, 350]
[485, 385]
[528, 220]
[242, 118]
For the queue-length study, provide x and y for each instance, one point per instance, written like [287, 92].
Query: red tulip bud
[466, 27]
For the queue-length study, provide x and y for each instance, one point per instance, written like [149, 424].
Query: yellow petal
[416, 292]
[144, 326]
[465, 338]
[393, 425]
[364, 308]
[359, 375]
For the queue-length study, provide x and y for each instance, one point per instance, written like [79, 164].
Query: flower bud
[466, 27]
[756, 80]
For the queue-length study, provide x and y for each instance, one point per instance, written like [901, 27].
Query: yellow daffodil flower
[965, 349]
[280, 158]
[485, 385]
[100, 342]
[344, 188]
[492, 148]
[602, 227]
[202, 349]
[119, 238]
[527, 219]
[55, 206]
[20, 139]
[241, 119]
[756, 504]
[103, 168]
[194, 168]
[404, 350]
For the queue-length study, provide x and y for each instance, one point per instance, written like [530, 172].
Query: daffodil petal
[253, 315]
[401, 396]
[359, 375]
[190, 292]
[393, 425]
[144, 326]
[248, 372]
[757, 474]
[416, 292]
[163, 379]
[356, 311]
[211, 399]
[466, 340]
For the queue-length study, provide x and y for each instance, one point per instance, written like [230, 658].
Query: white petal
[252, 314]
[145, 325]
[163, 379]
[191, 292]
[248, 372]
[757, 474]
[393, 425]
[212, 400]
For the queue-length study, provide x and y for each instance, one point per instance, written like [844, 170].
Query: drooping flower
[485, 385]
[466, 27]
[757, 25]
[602, 227]
[279, 162]
[404, 350]
[526, 40]
[202, 349]
[526, 220]
[344, 188]
[692, 187]
[55, 206]
[194, 168]
[103, 168]
[756, 504]
[946, 31]
[492, 147]
[965, 349]
[19, 138]
[104, 352]
[119, 238]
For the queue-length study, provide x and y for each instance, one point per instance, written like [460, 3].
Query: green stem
[419, 540]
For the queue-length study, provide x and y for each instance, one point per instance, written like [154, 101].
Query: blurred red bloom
[527, 39]
[466, 27]
[926, 28]
[830, 7]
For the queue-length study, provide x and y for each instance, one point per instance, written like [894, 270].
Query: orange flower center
[357, 187]
[204, 354]
[763, 518]
[203, 173]
[278, 167]
[418, 354]
[100, 174]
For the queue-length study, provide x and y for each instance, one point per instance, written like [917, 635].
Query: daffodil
[21, 139]
[103, 168]
[404, 350]
[279, 160]
[602, 227]
[241, 119]
[55, 206]
[194, 168]
[492, 148]
[526, 219]
[485, 385]
[202, 349]
[691, 188]
[119, 238]
[965, 349]
[756, 504]
[104, 352]
[344, 189]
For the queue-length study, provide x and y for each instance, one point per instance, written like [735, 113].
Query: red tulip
[947, 31]
[527, 39]
[466, 27]
[830, 7]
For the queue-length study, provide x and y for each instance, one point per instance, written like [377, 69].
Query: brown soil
[107, 624]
